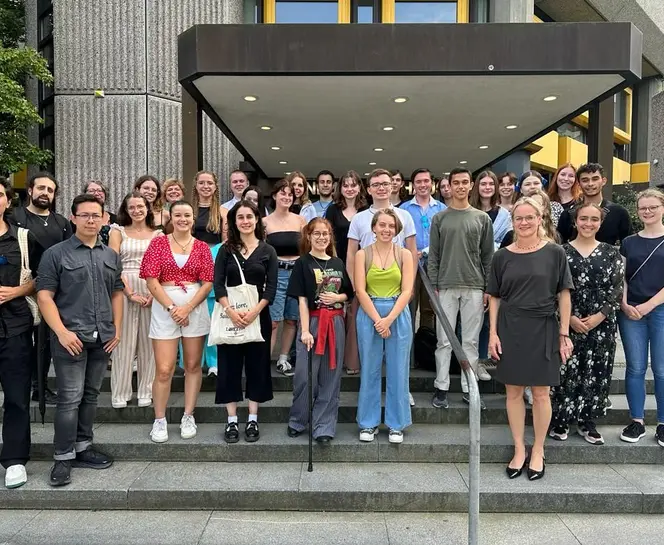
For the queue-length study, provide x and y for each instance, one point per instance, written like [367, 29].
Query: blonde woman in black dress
[530, 279]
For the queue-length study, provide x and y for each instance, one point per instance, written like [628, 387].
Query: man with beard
[48, 228]
[325, 183]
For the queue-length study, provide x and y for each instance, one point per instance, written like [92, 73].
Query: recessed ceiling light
[286, 173]
[378, 149]
[283, 162]
[401, 100]
[251, 98]
[266, 128]
[372, 164]
[484, 147]
[388, 128]
[275, 148]
[511, 127]
[367, 173]
[462, 162]
[550, 98]
[446, 173]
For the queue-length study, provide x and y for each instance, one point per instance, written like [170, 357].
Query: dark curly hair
[234, 240]
[124, 218]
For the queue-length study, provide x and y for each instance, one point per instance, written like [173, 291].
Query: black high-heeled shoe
[513, 473]
[536, 475]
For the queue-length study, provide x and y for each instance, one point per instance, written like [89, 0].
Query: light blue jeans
[396, 349]
[637, 335]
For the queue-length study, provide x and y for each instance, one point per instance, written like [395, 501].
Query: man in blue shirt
[422, 207]
[325, 184]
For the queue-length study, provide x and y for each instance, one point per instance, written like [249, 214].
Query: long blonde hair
[305, 196]
[541, 232]
[547, 220]
[214, 221]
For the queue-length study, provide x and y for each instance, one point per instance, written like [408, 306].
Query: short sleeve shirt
[360, 227]
[158, 262]
[649, 281]
[312, 276]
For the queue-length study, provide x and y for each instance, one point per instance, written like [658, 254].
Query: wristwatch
[170, 307]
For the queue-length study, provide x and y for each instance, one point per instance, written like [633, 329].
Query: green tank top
[384, 283]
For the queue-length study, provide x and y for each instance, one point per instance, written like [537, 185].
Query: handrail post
[474, 412]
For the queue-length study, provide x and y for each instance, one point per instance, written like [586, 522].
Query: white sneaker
[188, 426]
[119, 404]
[15, 476]
[395, 436]
[144, 401]
[367, 434]
[159, 433]
[411, 399]
[212, 371]
[482, 373]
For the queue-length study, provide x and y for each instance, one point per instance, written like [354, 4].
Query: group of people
[533, 279]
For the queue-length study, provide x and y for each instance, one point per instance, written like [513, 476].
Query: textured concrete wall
[655, 10]
[99, 139]
[511, 11]
[657, 140]
[164, 138]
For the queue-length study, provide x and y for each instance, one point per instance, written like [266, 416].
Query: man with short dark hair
[238, 181]
[325, 184]
[616, 225]
[80, 298]
[49, 228]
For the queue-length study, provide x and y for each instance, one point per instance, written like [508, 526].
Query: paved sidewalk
[296, 528]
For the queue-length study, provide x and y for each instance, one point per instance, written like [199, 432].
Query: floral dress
[586, 377]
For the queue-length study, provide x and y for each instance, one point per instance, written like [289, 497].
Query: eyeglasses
[382, 185]
[88, 217]
[526, 219]
[649, 208]
[317, 235]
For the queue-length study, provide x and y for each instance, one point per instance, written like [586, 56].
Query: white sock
[253, 418]
[232, 419]
[283, 357]
[160, 420]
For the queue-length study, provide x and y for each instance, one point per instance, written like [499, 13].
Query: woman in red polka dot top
[179, 272]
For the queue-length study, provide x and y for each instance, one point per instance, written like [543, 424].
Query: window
[575, 132]
[363, 11]
[306, 12]
[621, 151]
[620, 110]
[425, 12]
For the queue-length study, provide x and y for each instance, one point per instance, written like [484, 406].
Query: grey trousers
[326, 383]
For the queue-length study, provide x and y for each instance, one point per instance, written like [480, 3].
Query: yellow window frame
[388, 11]
[270, 11]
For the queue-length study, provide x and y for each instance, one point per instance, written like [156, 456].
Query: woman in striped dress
[131, 239]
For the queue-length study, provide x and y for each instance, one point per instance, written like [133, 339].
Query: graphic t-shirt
[312, 276]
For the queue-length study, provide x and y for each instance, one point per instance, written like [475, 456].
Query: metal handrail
[474, 412]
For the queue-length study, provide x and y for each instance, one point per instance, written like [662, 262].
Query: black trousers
[46, 347]
[15, 380]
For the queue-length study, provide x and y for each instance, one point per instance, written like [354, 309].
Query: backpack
[368, 256]
[425, 342]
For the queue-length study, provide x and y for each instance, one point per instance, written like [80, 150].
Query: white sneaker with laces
[482, 373]
[15, 476]
[395, 436]
[411, 399]
[367, 434]
[212, 371]
[188, 426]
[159, 433]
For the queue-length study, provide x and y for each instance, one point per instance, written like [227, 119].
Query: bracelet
[225, 309]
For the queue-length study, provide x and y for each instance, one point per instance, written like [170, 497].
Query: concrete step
[420, 381]
[278, 410]
[423, 443]
[393, 487]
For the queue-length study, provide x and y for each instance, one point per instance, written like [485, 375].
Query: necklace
[48, 216]
[322, 267]
[526, 248]
[184, 248]
[382, 261]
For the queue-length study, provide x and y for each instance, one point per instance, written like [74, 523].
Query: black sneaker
[633, 432]
[92, 459]
[232, 433]
[251, 433]
[659, 435]
[589, 432]
[439, 399]
[60, 473]
[466, 399]
[559, 433]
[292, 432]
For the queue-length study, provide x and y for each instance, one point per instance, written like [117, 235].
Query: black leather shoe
[292, 432]
[60, 473]
[536, 475]
[92, 459]
[323, 439]
[514, 473]
[251, 433]
[231, 434]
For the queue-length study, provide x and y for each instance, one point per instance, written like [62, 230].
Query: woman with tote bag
[244, 262]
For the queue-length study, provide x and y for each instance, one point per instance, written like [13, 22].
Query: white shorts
[163, 327]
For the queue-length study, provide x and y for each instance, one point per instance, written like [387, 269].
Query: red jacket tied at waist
[326, 333]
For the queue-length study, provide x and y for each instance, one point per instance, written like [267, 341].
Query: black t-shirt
[615, 227]
[47, 230]
[649, 280]
[340, 225]
[493, 213]
[312, 276]
[200, 227]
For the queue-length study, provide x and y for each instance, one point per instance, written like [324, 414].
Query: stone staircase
[428, 472]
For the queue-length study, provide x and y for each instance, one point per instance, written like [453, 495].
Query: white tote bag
[240, 298]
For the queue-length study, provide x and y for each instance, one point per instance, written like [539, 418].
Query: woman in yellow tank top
[383, 285]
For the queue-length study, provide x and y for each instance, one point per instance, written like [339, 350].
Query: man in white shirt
[325, 185]
[239, 182]
[360, 233]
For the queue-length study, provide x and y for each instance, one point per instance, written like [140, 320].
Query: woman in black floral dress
[598, 271]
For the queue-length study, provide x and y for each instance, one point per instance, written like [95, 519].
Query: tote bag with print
[240, 298]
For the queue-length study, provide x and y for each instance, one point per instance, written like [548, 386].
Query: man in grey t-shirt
[460, 253]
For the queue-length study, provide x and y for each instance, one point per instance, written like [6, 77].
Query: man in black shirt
[48, 228]
[616, 225]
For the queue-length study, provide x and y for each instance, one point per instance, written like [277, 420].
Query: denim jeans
[78, 379]
[396, 349]
[637, 335]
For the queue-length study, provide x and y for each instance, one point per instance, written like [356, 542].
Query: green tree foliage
[17, 114]
[627, 198]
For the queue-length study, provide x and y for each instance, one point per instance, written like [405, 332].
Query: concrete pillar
[600, 139]
[642, 96]
[657, 140]
[511, 11]
[517, 162]
[192, 140]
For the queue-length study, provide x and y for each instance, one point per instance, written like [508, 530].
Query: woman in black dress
[525, 337]
[598, 274]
